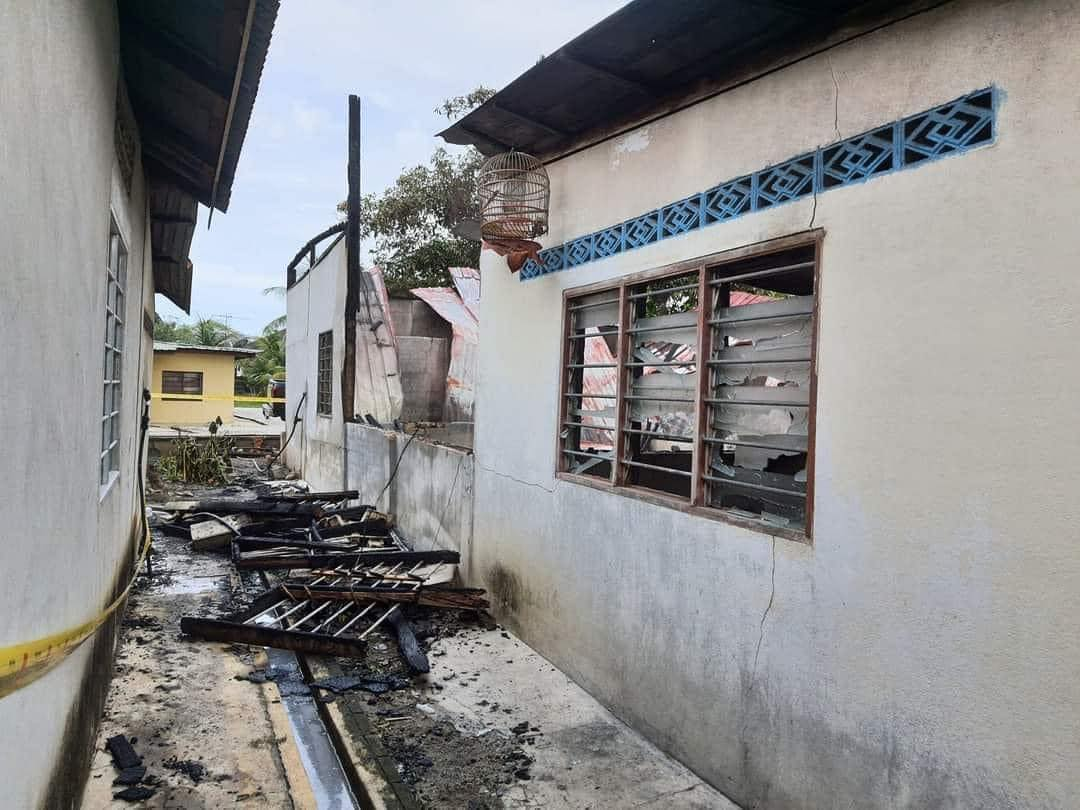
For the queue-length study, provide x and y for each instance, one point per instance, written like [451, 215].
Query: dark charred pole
[352, 264]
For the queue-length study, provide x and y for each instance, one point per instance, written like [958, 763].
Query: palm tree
[208, 332]
[269, 363]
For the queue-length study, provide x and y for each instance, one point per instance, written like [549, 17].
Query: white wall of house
[922, 652]
[315, 304]
[67, 545]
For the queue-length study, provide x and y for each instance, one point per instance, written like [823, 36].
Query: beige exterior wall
[219, 383]
[922, 652]
[68, 543]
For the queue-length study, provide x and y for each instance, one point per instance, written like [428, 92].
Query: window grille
[116, 270]
[325, 381]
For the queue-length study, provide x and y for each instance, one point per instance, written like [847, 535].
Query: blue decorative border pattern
[948, 129]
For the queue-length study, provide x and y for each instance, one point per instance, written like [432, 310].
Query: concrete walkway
[246, 422]
[207, 739]
[494, 725]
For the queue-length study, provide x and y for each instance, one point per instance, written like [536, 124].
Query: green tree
[171, 331]
[411, 223]
[256, 372]
[204, 332]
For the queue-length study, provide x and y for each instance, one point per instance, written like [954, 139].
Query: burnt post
[352, 264]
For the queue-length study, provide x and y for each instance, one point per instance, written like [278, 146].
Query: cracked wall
[921, 653]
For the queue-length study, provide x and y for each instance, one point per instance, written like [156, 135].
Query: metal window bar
[660, 363]
[720, 288]
[661, 436]
[750, 485]
[771, 271]
[632, 369]
[779, 403]
[640, 398]
[771, 361]
[643, 465]
[592, 305]
[661, 292]
[587, 335]
[760, 319]
[648, 329]
[751, 443]
[582, 454]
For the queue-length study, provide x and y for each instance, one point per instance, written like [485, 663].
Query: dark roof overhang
[192, 71]
[652, 57]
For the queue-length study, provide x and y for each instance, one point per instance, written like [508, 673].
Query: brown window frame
[166, 389]
[324, 376]
[616, 482]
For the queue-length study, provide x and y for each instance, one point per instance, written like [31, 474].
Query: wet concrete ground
[207, 739]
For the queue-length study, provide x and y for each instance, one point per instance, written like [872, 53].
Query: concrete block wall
[432, 493]
[423, 363]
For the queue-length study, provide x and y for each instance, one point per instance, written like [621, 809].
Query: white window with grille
[116, 270]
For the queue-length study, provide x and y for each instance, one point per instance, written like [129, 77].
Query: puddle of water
[185, 585]
[320, 760]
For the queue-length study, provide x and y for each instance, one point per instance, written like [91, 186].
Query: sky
[402, 59]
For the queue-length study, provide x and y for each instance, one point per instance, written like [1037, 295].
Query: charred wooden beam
[377, 527]
[234, 506]
[257, 635]
[347, 559]
[334, 495]
[407, 643]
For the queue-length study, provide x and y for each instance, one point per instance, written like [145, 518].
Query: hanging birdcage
[512, 191]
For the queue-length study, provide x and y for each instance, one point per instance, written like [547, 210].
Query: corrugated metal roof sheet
[464, 344]
[185, 61]
[166, 346]
[648, 55]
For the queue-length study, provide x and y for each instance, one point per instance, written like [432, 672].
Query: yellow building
[193, 385]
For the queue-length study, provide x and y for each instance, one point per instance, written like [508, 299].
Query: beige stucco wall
[65, 541]
[923, 652]
[219, 383]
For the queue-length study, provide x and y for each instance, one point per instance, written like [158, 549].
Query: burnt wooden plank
[436, 596]
[237, 633]
[249, 542]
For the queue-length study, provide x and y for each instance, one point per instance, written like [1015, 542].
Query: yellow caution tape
[215, 397]
[23, 664]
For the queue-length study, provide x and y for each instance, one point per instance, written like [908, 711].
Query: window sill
[683, 505]
[105, 488]
[325, 415]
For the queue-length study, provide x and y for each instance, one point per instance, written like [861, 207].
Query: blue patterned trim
[948, 129]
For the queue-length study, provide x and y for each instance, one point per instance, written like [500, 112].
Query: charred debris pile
[334, 572]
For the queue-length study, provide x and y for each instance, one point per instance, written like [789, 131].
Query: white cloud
[309, 119]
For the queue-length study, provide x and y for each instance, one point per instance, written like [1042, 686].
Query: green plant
[198, 461]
